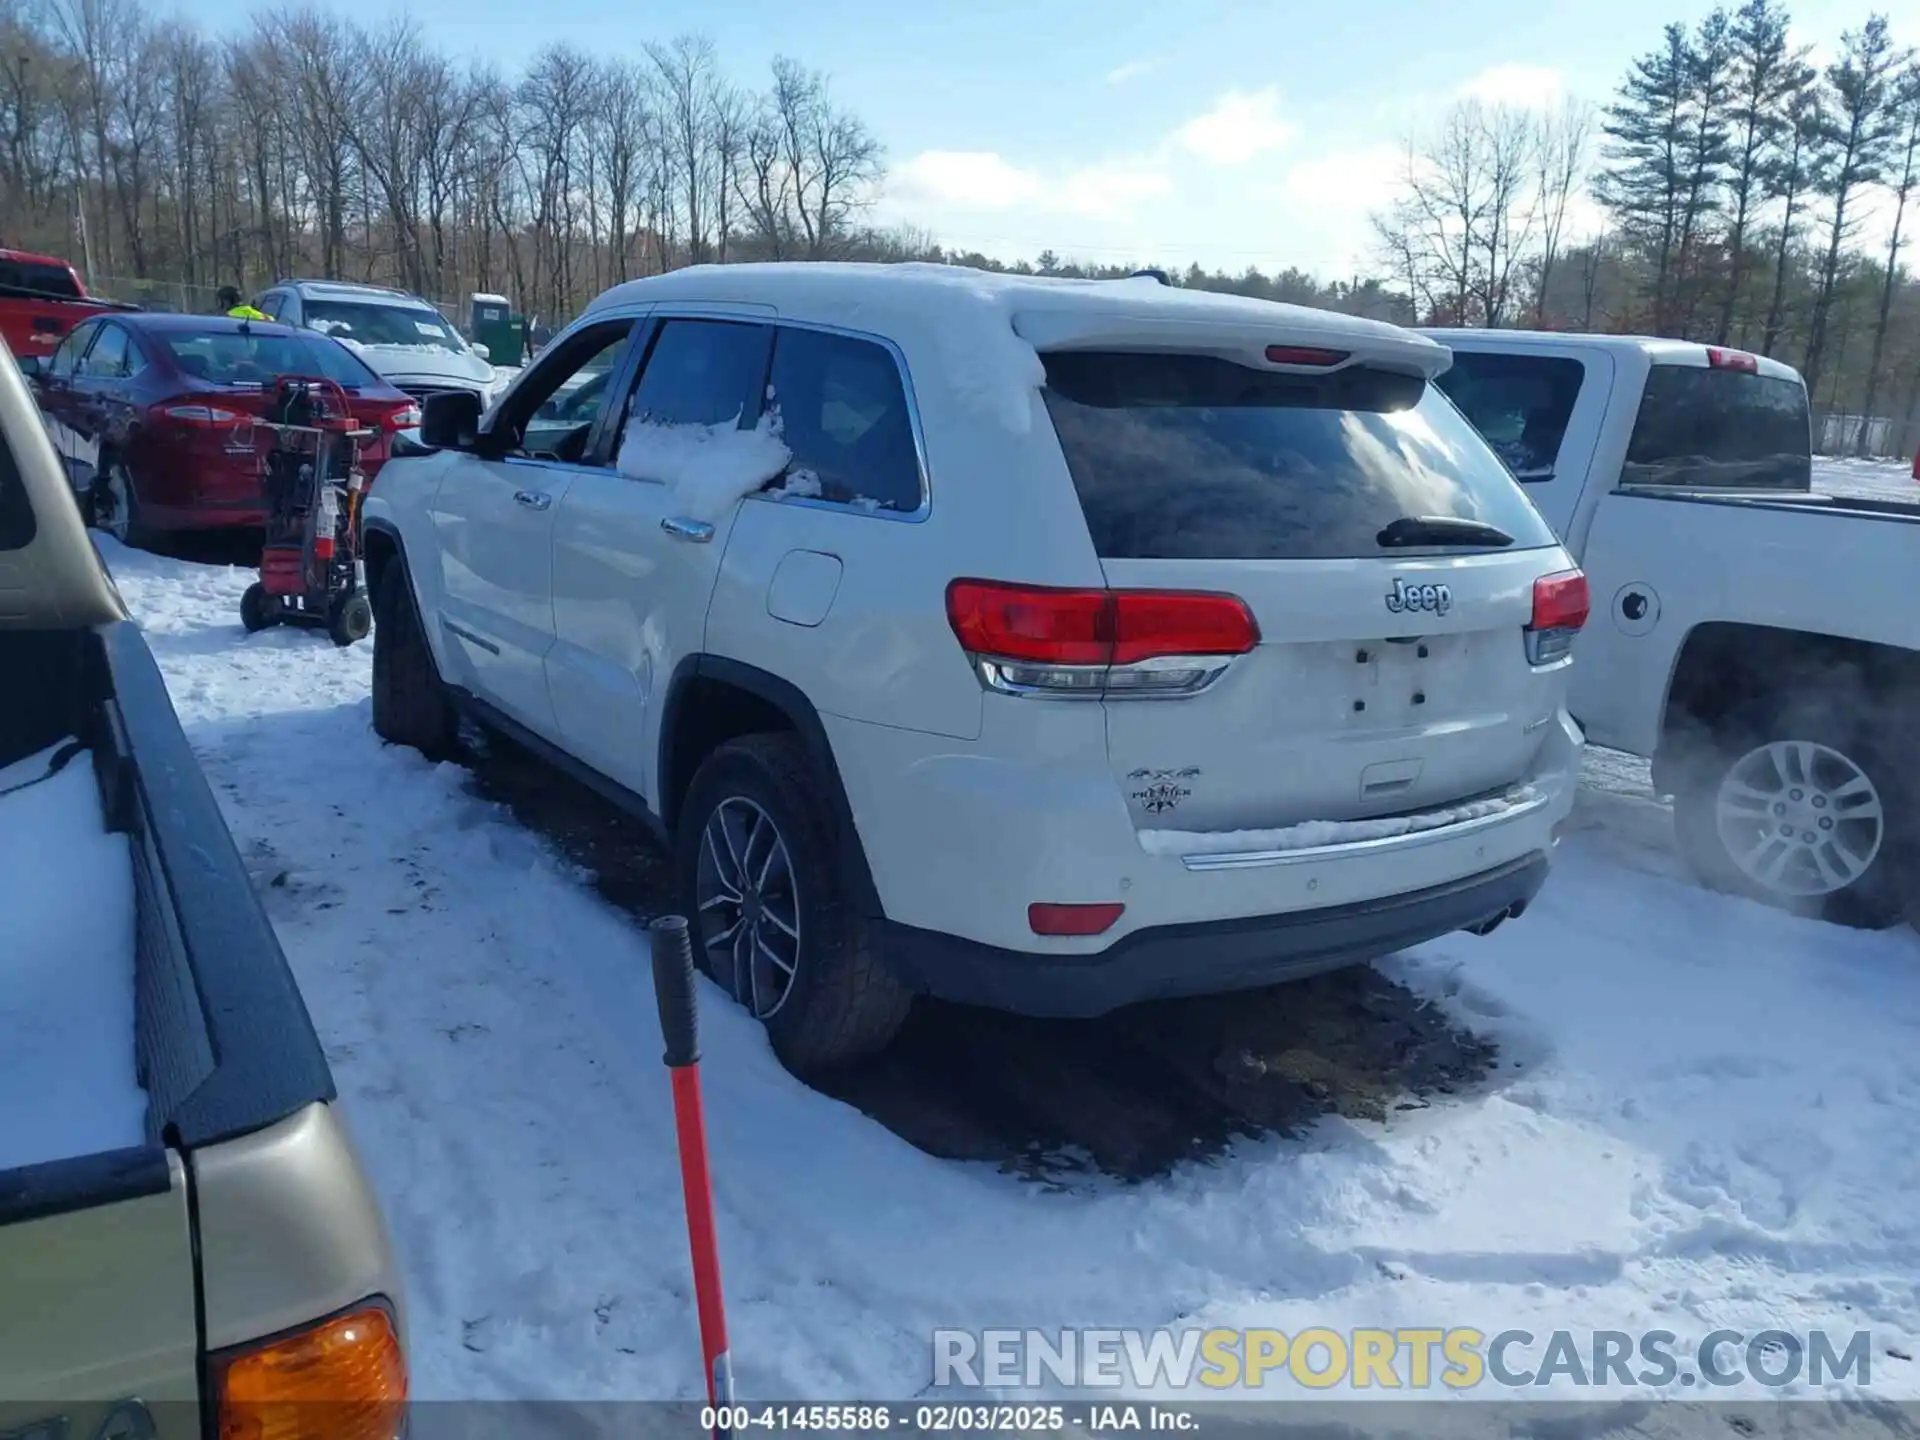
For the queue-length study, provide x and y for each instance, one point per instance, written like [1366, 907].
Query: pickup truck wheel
[410, 705]
[115, 508]
[1807, 821]
[772, 923]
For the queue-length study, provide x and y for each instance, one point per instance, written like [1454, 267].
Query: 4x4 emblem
[1436, 599]
[1163, 790]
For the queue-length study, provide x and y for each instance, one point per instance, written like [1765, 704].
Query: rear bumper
[1166, 961]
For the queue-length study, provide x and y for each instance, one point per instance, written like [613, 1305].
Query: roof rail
[1152, 274]
[343, 284]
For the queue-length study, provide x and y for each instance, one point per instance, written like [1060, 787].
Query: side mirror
[450, 420]
[482, 351]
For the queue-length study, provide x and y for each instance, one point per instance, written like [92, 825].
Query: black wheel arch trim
[792, 702]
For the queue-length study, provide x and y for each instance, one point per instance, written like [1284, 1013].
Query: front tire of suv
[1808, 816]
[772, 922]
[410, 705]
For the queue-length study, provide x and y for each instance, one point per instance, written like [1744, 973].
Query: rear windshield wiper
[1440, 530]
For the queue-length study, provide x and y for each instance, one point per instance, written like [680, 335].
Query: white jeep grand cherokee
[1050, 645]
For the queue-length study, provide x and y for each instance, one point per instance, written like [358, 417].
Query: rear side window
[1189, 457]
[72, 348]
[16, 511]
[1520, 404]
[843, 413]
[107, 359]
[1720, 429]
[44, 279]
[702, 372]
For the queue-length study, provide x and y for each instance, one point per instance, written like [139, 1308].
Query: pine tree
[1768, 76]
[1905, 175]
[1860, 132]
[1795, 171]
[1710, 82]
[1645, 183]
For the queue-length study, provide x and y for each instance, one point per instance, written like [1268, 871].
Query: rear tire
[838, 1002]
[349, 619]
[113, 506]
[1747, 799]
[258, 609]
[410, 704]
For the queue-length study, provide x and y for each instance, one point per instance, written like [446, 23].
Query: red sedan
[152, 415]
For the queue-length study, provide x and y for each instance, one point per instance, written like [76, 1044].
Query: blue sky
[1233, 132]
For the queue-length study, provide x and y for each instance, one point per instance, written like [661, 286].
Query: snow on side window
[709, 468]
[843, 413]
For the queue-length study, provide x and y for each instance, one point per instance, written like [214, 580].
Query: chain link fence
[1839, 433]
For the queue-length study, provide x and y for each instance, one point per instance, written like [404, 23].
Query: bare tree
[1560, 153]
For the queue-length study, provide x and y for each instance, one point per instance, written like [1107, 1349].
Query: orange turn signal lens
[343, 1379]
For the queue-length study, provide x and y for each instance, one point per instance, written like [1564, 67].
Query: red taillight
[1304, 355]
[202, 415]
[1045, 919]
[1030, 622]
[1560, 605]
[1560, 601]
[1148, 624]
[1049, 626]
[1721, 359]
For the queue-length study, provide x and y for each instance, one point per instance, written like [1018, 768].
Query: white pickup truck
[1752, 637]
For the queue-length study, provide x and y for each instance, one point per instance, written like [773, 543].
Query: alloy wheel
[1800, 819]
[749, 907]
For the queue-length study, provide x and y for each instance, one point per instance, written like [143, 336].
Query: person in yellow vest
[236, 309]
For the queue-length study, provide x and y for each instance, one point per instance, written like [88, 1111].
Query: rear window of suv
[1702, 428]
[1190, 457]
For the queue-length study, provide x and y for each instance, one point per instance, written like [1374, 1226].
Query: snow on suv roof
[969, 315]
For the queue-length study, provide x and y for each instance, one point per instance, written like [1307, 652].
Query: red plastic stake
[680, 1027]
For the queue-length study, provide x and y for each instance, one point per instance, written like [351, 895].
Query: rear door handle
[694, 532]
[533, 499]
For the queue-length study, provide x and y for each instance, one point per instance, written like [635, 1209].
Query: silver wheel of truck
[749, 907]
[1800, 819]
[1804, 816]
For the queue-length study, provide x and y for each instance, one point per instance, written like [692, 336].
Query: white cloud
[1112, 191]
[981, 180]
[1132, 70]
[1239, 128]
[965, 179]
[1533, 87]
[1326, 203]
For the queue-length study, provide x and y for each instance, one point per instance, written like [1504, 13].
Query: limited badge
[1161, 790]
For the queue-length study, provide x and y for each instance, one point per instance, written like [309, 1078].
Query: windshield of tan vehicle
[408, 327]
[235, 358]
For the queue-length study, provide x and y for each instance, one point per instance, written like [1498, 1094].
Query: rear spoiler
[94, 302]
[1284, 343]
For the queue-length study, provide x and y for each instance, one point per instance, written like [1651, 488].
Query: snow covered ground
[1704, 1116]
[1867, 479]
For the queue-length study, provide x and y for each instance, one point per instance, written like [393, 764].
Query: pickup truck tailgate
[100, 1309]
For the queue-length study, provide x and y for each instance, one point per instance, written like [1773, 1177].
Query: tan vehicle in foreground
[188, 1245]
